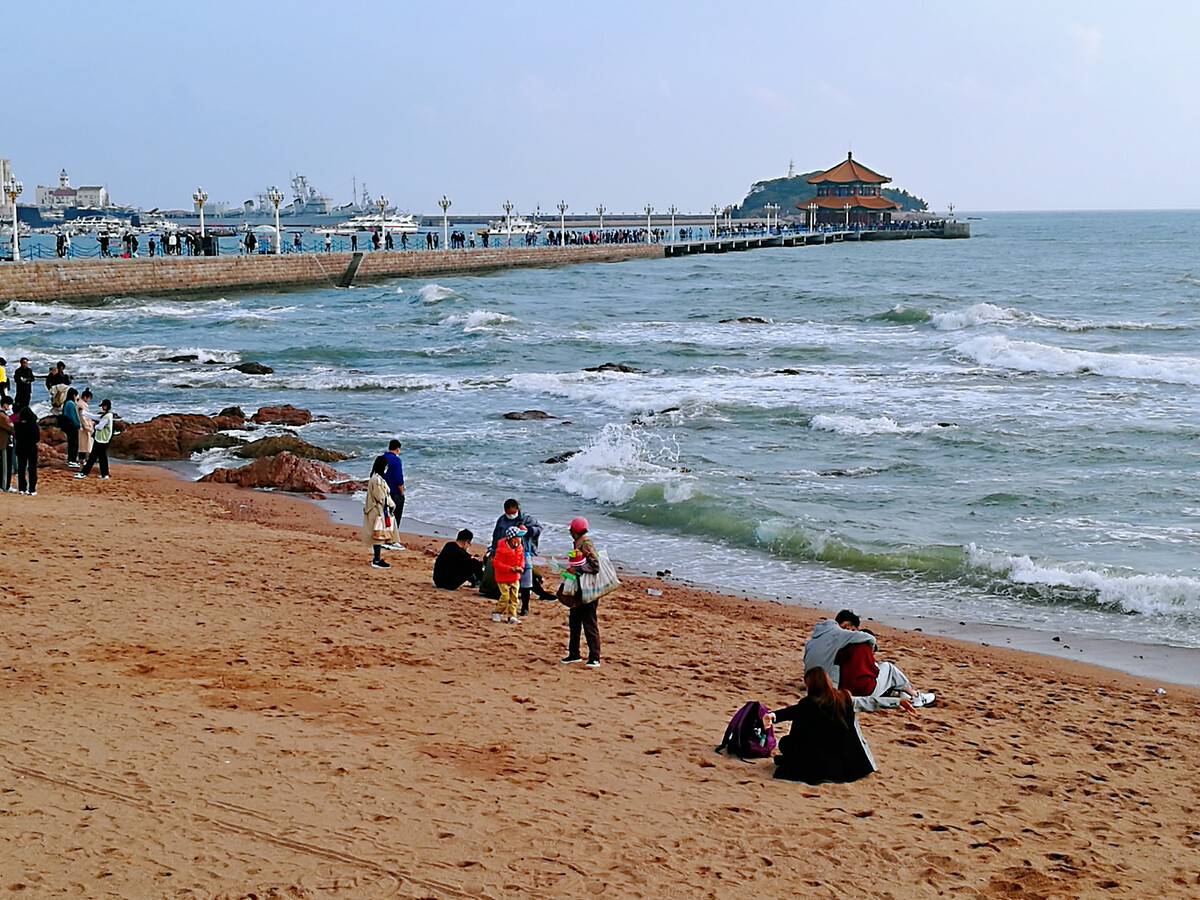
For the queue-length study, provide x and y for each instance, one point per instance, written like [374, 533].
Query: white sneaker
[33, 493]
[80, 475]
[496, 617]
[104, 477]
[393, 546]
[513, 620]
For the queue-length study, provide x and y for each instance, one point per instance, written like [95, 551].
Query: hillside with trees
[787, 192]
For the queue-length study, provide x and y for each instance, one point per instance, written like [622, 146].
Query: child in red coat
[508, 561]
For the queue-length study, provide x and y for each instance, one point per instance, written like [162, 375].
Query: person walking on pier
[328, 241]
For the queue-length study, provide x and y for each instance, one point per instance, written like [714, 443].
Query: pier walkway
[735, 243]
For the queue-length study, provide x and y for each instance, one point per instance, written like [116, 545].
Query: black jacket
[819, 748]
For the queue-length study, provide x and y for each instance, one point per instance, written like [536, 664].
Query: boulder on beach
[528, 414]
[253, 368]
[52, 456]
[288, 472]
[173, 436]
[270, 446]
[232, 412]
[614, 367]
[282, 415]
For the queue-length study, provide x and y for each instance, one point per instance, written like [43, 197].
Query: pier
[733, 243]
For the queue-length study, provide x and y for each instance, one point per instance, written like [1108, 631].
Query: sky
[992, 106]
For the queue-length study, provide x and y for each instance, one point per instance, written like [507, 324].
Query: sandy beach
[208, 693]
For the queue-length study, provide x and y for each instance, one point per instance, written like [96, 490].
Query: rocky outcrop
[528, 414]
[291, 444]
[173, 436]
[233, 412]
[253, 368]
[614, 367]
[287, 472]
[282, 415]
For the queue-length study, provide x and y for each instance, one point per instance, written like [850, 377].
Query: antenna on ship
[791, 168]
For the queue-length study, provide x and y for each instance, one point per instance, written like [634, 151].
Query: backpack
[745, 736]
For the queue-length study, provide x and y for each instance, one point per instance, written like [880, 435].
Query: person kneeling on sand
[824, 743]
[508, 562]
[455, 565]
[848, 656]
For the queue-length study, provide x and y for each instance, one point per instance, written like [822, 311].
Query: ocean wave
[854, 426]
[1149, 594]
[430, 294]
[904, 315]
[622, 460]
[1030, 356]
[478, 320]
[979, 314]
[324, 380]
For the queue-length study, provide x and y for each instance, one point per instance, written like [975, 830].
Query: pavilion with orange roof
[849, 194]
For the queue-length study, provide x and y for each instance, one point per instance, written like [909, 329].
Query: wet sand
[209, 693]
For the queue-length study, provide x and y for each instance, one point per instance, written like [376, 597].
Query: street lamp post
[715, 209]
[649, 209]
[382, 202]
[600, 213]
[508, 207]
[13, 189]
[200, 198]
[445, 203]
[812, 216]
[275, 195]
[672, 209]
[562, 223]
[846, 207]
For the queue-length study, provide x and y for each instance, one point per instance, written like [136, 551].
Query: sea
[1000, 431]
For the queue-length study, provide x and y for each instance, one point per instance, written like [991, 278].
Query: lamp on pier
[275, 195]
[12, 189]
[812, 216]
[508, 208]
[715, 209]
[445, 203]
[200, 198]
[600, 213]
[672, 209]
[846, 207]
[562, 223]
[649, 209]
[382, 202]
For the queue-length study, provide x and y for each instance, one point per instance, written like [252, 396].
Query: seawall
[91, 279]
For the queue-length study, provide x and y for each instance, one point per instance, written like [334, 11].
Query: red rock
[51, 456]
[282, 415]
[173, 436]
[286, 472]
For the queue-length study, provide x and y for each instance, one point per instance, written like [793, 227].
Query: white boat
[392, 223]
[514, 225]
[97, 225]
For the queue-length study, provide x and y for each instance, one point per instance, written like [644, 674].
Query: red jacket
[506, 557]
[859, 671]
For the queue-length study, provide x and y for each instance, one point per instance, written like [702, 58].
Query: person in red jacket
[862, 676]
[508, 562]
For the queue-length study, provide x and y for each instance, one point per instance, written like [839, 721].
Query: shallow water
[999, 431]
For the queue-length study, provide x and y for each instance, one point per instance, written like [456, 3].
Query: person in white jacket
[101, 435]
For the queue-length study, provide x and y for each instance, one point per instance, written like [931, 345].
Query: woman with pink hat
[583, 614]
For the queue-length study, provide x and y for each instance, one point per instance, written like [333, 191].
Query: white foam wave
[852, 425]
[322, 379]
[435, 293]
[217, 458]
[1148, 594]
[478, 320]
[620, 460]
[1030, 356]
[979, 314]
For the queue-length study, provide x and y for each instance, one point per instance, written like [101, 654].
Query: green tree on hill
[787, 192]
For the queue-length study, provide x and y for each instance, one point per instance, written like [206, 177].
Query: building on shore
[848, 195]
[63, 196]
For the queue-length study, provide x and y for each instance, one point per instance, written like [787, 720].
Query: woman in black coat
[26, 435]
[824, 743]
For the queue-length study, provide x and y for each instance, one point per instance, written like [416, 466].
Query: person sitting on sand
[824, 743]
[508, 562]
[455, 565]
[874, 685]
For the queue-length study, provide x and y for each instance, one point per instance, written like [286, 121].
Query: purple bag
[745, 736]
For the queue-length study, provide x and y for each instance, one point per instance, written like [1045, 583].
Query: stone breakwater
[91, 279]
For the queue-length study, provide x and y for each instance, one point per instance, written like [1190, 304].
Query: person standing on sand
[101, 435]
[69, 422]
[531, 534]
[7, 455]
[394, 476]
[27, 435]
[824, 743]
[85, 425]
[583, 615]
[24, 379]
[378, 503]
[508, 562]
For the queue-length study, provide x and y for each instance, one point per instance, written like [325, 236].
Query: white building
[5, 174]
[63, 195]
